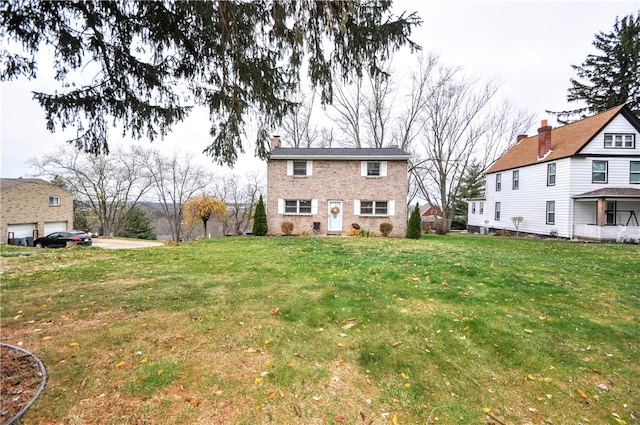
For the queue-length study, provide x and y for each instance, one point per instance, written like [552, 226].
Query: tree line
[110, 189]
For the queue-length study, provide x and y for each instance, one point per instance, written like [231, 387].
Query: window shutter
[310, 169]
[280, 206]
[383, 168]
[289, 168]
[314, 206]
[363, 170]
[356, 206]
[391, 207]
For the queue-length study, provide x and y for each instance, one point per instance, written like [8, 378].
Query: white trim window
[599, 171]
[634, 172]
[473, 208]
[551, 174]
[619, 141]
[54, 201]
[374, 208]
[498, 182]
[299, 168]
[498, 207]
[516, 180]
[551, 212]
[373, 168]
[481, 208]
[298, 206]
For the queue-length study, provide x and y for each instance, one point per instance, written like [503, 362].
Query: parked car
[60, 239]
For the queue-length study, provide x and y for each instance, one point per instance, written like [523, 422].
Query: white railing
[619, 234]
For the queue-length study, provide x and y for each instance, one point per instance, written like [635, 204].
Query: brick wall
[28, 203]
[338, 180]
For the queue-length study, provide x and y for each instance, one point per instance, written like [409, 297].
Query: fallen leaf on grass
[159, 372]
[582, 394]
[121, 363]
[397, 344]
[395, 420]
[74, 344]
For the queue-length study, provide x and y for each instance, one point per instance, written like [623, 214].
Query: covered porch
[609, 214]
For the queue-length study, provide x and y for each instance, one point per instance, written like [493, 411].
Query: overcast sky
[528, 45]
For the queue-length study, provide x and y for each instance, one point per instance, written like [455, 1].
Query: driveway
[107, 243]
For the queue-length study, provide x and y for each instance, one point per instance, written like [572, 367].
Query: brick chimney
[521, 137]
[544, 139]
[275, 142]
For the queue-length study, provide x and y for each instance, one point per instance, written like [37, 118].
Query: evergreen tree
[260, 219]
[139, 63]
[414, 230]
[471, 186]
[610, 78]
[136, 224]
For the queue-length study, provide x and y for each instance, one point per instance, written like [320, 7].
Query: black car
[62, 239]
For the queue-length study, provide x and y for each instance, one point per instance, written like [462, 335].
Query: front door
[334, 223]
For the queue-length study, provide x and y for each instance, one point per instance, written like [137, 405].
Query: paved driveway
[108, 243]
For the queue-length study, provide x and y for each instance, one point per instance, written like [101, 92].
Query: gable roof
[392, 154]
[566, 141]
[6, 183]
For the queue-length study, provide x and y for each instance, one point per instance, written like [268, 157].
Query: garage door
[23, 230]
[55, 226]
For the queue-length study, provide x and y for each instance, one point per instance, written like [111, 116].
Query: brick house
[325, 190]
[32, 208]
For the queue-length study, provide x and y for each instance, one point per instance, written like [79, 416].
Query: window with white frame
[634, 172]
[299, 168]
[297, 206]
[473, 208]
[551, 174]
[481, 208]
[373, 168]
[620, 141]
[497, 211]
[498, 182]
[375, 208]
[516, 180]
[54, 201]
[599, 171]
[551, 212]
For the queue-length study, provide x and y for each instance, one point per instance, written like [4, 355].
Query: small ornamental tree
[413, 229]
[260, 219]
[203, 208]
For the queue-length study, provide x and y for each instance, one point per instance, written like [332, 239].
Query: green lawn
[457, 329]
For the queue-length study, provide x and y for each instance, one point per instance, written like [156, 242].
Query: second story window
[551, 174]
[299, 168]
[516, 180]
[373, 168]
[498, 182]
[599, 171]
[634, 172]
[54, 201]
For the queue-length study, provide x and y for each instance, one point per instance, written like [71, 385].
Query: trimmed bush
[386, 228]
[287, 228]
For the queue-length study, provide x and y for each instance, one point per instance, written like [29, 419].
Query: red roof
[566, 141]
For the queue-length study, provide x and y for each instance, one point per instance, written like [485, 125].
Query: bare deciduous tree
[241, 196]
[460, 123]
[175, 178]
[109, 186]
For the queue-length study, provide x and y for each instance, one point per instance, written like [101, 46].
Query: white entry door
[334, 223]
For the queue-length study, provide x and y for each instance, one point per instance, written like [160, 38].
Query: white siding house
[581, 180]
